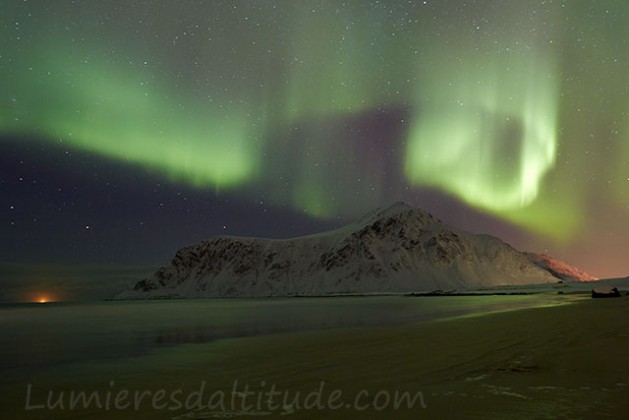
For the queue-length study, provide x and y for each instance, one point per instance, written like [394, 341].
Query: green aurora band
[116, 112]
[484, 123]
[485, 134]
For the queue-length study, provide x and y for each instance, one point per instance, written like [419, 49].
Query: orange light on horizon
[43, 299]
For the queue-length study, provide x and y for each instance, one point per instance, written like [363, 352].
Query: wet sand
[567, 361]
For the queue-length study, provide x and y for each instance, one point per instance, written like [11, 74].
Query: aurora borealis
[504, 117]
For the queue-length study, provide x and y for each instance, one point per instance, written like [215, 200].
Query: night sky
[129, 129]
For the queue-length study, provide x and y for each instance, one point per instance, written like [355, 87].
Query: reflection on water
[52, 334]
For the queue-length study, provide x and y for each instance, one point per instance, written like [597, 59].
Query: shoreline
[542, 362]
[568, 288]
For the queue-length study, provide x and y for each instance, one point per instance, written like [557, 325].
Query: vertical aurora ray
[622, 169]
[342, 72]
[486, 121]
[328, 166]
[487, 136]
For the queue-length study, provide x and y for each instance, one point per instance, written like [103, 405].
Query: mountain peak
[398, 210]
[395, 208]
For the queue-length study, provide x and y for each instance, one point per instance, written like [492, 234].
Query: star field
[131, 128]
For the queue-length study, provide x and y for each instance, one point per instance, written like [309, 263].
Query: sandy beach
[566, 361]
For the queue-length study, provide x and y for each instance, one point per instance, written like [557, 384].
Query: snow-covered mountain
[558, 268]
[398, 249]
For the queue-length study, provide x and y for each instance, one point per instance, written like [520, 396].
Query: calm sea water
[48, 335]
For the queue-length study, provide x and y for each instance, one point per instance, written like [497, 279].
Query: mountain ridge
[396, 249]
